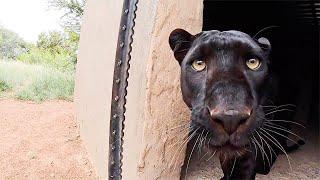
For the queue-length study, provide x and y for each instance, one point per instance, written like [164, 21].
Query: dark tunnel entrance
[294, 35]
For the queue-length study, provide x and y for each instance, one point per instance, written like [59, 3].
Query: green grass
[34, 82]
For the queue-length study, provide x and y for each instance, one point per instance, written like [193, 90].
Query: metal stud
[113, 132]
[119, 62]
[124, 27]
[113, 148]
[121, 44]
[115, 116]
[118, 81]
[116, 98]
[126, 11]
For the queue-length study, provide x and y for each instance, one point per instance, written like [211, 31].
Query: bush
[56, 49]
[4, 86]
[36, 82]
[62, 62]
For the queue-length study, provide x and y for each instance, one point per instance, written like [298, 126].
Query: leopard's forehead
[219, 42]
[224, 38]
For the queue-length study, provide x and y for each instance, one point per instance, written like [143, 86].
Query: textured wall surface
[155, 104]
[94, 76]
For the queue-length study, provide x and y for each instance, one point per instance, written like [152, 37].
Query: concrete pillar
[154, 102]
[94, 75]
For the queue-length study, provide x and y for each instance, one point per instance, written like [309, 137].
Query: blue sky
[28, 18]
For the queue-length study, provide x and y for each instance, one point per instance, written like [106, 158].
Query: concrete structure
[154, 103]
[94, 77]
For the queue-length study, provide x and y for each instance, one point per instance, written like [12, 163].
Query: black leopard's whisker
[234, 163]
[238, 153]
[208, 144]
[279, 110]
[285, 130]
[179, 126]
[176, 163]
[280, 120]
[203, 141]
[270, 124]
[224, 159]
[189, 135]
[268, 106]
[212, 155]
[185, 135]
[204, 155]
[181, 148]
[281, 135]
[266, 28]
[261, 150]
[274, 106]
[269, 146]
[205, 137]
[191, 156]
[255, 147]
[200, 143]
[259, 146]
[179, 144]
[276, 143]
[264, 151]
[182, 145]
[280, 106]
[262, 139]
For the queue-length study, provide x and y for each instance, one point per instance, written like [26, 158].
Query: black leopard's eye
[253, 64]
[198, 65]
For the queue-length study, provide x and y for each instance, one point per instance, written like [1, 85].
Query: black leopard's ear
[180, 42]
[265, 45]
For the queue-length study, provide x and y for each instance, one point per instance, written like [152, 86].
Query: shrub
[36, 82]
[4, 86]
[62, 62]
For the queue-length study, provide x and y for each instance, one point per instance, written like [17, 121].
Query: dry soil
[41, 141]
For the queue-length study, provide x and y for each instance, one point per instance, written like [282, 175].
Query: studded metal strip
[119, 89]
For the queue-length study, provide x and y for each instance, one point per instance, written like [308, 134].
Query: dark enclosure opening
[294, 59]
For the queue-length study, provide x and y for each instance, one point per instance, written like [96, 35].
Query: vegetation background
[45, 69]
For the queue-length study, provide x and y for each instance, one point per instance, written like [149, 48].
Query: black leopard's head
[223, 75]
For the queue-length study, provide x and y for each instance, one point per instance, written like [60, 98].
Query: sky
[29, 18]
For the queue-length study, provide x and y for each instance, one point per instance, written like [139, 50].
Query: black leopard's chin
[229, 149]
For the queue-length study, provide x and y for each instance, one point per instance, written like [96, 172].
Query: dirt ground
[41, 141]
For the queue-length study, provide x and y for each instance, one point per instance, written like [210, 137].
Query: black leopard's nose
[230, 119]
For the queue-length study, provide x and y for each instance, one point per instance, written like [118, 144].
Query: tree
[11, 44]
[54, 48]
[73, 13]
[54, 41]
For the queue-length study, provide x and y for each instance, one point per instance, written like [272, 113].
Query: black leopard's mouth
[217, 135]
[229, 148]
[218, 140]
